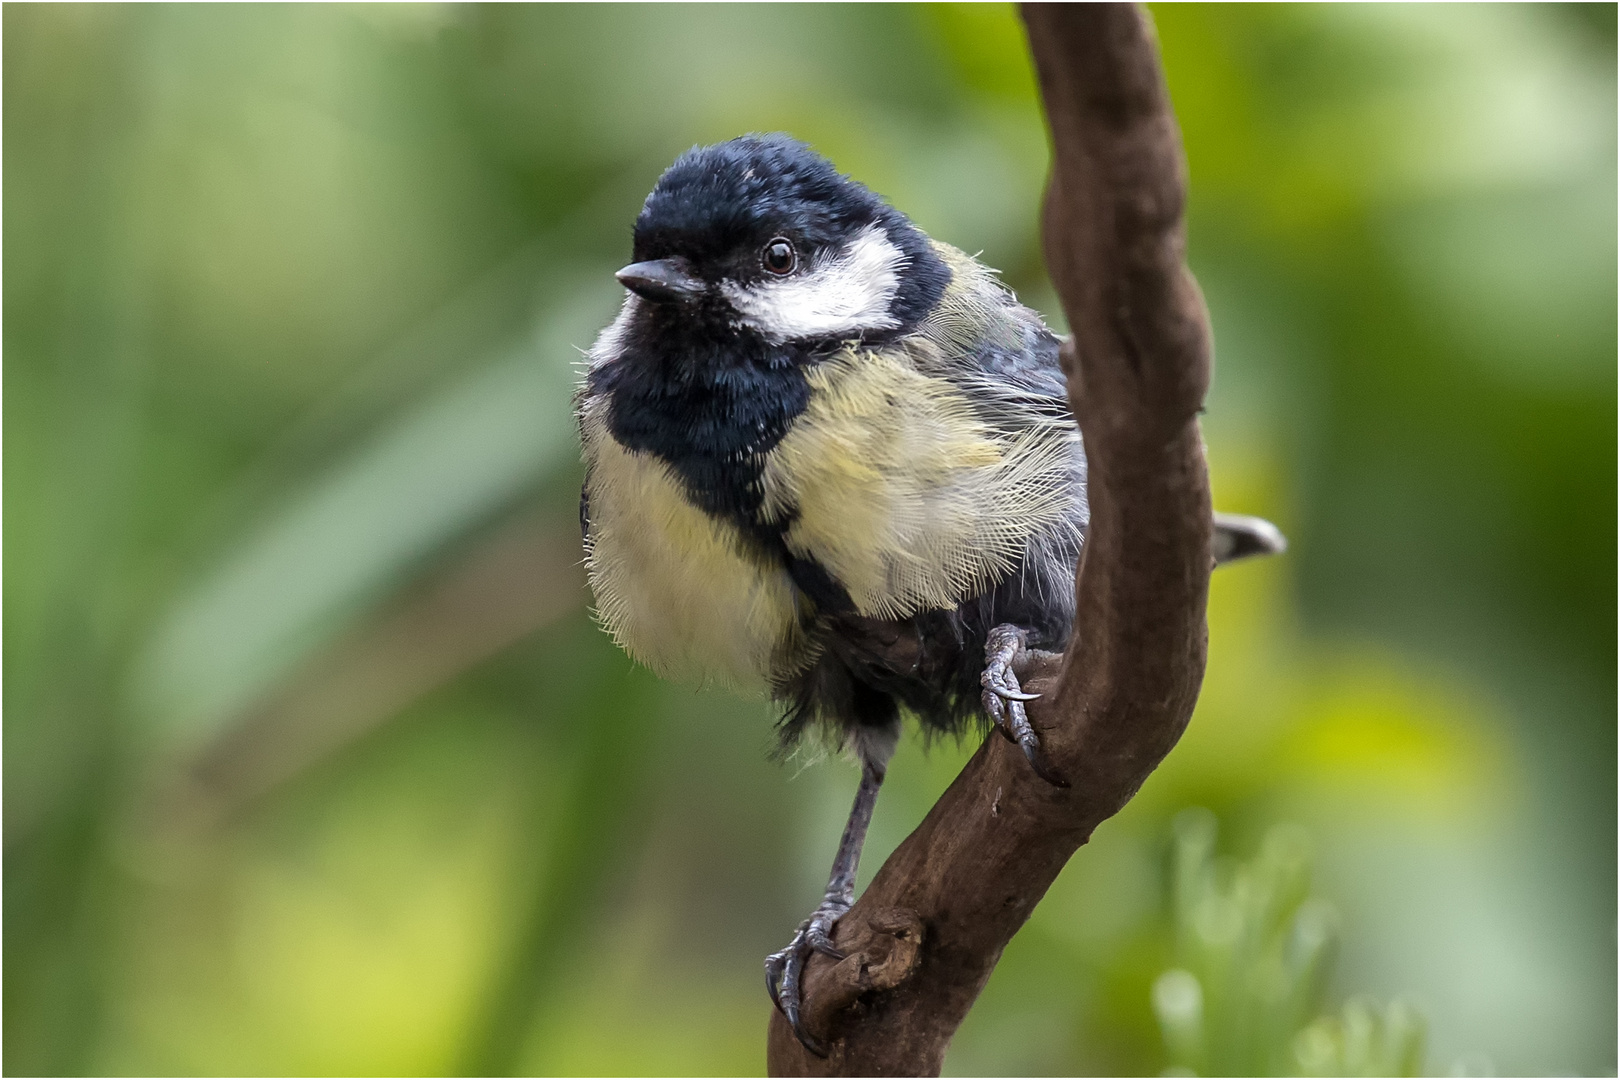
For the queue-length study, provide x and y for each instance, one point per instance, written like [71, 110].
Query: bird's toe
[784, 971]
[1004, 698]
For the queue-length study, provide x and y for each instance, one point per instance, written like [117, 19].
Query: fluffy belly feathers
[677, 588]
[889, 480]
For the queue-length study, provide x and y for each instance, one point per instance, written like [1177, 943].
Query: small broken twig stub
[923, 939]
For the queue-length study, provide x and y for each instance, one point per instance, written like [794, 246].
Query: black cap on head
[717, 207]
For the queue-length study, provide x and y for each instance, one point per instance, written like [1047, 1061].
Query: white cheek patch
[610, 342]
[842, 294]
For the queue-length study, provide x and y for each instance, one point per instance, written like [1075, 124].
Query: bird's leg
[1004, 699]
[784, 971]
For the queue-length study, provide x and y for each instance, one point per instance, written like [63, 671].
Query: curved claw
[1004, 699]
[1042, 769]
[784, 971]
[807, 1040]
[775, 968]
[1000, 681]
[1030, 743]
[821, 943]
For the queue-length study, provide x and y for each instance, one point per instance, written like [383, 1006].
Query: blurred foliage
[1253, 952]
[1365, 1040]
[303, 777]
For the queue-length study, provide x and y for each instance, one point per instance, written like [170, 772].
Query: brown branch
[1138, 367]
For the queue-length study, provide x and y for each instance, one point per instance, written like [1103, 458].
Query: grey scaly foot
[1004, 698]
[784, 971]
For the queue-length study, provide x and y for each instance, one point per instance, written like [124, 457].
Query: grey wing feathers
[1025, 378]
[1029, 360]
[1013, 373]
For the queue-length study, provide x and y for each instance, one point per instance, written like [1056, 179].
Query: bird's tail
[1238, 536]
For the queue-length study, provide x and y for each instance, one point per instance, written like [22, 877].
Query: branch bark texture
[924, 937]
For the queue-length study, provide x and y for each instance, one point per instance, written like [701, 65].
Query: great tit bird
[831, 458]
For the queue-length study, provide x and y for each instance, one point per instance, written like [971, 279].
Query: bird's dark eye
[779, 256]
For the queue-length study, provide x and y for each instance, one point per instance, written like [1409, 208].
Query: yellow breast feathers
[902, 491]
[676, 587]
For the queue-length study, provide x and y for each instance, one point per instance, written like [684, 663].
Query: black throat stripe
[713, 410]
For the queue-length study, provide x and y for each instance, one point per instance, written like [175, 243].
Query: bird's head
[763, 236]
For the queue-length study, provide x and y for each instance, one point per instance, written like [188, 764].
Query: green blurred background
[314, 760]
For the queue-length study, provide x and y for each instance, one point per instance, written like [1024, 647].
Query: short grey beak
[662, 281]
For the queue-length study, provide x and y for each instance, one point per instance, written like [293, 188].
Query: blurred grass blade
[335, 548]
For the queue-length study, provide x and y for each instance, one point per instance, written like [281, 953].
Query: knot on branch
[881, 951]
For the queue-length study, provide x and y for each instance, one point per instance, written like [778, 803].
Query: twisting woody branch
[924, 938]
